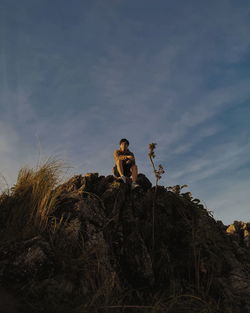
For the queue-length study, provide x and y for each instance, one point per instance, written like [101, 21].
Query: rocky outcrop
[106, 246]
[240, 233]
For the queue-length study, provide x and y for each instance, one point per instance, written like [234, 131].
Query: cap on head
[124, 140]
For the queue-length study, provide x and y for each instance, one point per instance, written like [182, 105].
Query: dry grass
[32, 198]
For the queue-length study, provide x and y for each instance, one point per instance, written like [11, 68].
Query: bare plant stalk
[158, 174]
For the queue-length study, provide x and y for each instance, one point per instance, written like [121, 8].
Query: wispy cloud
[214, 160]
[150, 72]
[231, 202]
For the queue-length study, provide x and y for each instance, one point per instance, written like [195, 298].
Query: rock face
[106, 246]
[240, 232]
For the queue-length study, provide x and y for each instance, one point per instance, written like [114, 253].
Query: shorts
[126, 169]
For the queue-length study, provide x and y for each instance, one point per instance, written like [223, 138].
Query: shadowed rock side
[100, 252]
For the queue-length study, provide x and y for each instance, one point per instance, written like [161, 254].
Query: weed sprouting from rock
[158, 173]
[177, 189]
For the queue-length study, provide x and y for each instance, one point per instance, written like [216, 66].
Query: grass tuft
[32, 198]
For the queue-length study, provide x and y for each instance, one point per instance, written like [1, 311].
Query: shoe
[123, 178]
[134, 185]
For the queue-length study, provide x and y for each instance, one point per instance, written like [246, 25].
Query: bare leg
[120, 167]
[134, 171]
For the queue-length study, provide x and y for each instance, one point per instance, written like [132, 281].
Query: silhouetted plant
[187, 195]
[157, 172]
[176, 189]
[151, 155]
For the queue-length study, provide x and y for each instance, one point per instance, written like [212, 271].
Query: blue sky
[77, 76]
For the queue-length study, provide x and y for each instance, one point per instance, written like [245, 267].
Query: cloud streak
[151, 72]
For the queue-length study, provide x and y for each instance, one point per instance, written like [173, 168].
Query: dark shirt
[118, 152]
